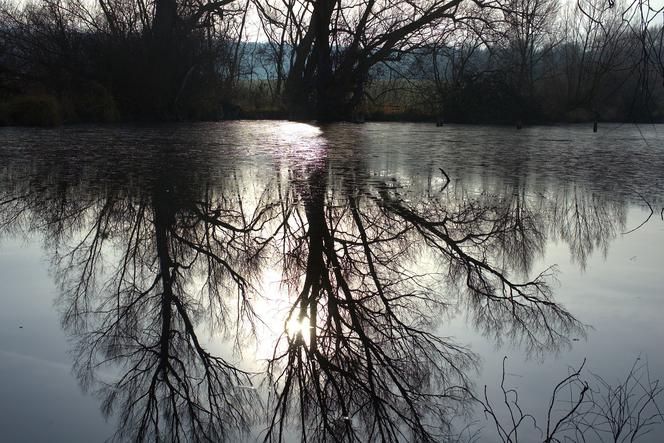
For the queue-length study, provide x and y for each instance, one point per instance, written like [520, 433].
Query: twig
[646, 220]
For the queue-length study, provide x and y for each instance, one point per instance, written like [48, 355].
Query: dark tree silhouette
[336, 44]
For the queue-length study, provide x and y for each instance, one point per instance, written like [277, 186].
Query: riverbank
[47, 110]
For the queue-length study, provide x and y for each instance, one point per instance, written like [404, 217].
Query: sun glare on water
[295, 327]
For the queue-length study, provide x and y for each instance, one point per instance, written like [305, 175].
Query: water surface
[164, 271]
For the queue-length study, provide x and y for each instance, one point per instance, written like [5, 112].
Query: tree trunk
[325, 100]
[162, 52]
[161, 224]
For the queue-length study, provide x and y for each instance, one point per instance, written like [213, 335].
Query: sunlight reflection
[278, 323]
[298, 329]
[297, 130]
[303, 140]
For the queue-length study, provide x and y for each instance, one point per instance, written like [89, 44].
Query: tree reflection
[144, 317]
[128, 261]
[146, 261]
[367, 363]
[366, 352]
[586, 221]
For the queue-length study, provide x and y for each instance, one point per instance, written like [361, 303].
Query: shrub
[32, 110]
[93, 104]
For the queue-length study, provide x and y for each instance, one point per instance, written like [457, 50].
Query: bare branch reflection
[364, 360]
[139, 270]
[151, 256]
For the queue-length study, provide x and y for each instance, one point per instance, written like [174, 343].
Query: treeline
[65, 60]
[580, 62]
[453, 60]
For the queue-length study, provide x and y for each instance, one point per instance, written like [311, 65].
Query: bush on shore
[31, 110]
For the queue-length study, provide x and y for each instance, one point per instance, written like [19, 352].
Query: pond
[247, 279]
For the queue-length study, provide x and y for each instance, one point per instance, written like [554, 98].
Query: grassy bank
[412, 101]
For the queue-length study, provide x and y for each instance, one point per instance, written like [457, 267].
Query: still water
[250, 279]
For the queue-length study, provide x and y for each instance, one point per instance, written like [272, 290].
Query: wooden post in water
[596, 117]
[440, 119]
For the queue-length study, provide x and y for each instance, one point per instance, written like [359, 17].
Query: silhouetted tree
[163, 60]
[335, 46]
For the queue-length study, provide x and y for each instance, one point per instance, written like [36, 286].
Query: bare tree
[335, 45]
[153, 59]
[594, 409]
[529, 36]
